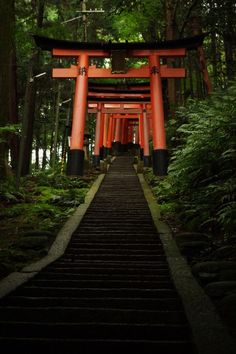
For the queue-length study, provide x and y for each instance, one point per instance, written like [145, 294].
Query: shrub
[202, 176]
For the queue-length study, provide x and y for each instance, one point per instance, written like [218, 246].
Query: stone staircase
[111, 292]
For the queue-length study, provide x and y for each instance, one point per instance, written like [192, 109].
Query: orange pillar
[146, 150]
[158, 124]
[96, 154]
[117, 140]
[118, 130]
[76, 154]
[123, 132]
[130, 134]
[141, 135]
[136, 137]
[102, 135]
[126, 133]
[110, 134]
[102, 130]
[113, 129]
[105, 134]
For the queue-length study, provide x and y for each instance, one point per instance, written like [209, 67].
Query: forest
[35, 110]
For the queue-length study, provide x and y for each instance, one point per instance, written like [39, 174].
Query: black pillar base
[147, 161]
[101, 153]
[141, 154]
[96, 160]
[75, 163]
[116, 146]
[160, 162]
[108, 151]
[136, 146]
[104, 152]
[123, 148]
[130, 146]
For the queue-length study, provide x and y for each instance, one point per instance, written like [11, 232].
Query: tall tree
[6, 59]
[30, 97]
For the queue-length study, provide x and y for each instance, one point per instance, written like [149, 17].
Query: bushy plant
[202, 176]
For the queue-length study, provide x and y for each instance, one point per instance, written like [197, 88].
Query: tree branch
[194, 4]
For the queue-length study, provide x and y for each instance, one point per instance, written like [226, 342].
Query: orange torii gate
[83, 71]
[121, 99]
[116, 130]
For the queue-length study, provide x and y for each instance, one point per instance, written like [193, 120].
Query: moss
[31, 217]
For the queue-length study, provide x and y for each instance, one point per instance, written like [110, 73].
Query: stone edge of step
[210, 335]
[15, 279]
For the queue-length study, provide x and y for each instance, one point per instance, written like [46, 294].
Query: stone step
[111, 284]
[29, 290]
[84, 269]
[113, 264]
[100, 276]
[166, 304]
[73, 315]
[106, 346]
[108, 245]
[116, 251]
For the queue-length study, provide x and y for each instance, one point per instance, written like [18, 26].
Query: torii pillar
[110, 134]
[123, 135]
[160, 154]
[146, 149]
[96, 153]
[141, 135]
[76, 153]
[117, 138]
[105, 135]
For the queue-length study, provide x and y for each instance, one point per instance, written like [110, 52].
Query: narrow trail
[111, 292]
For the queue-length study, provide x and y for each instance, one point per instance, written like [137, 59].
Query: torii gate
[82, 72]
[113, 123]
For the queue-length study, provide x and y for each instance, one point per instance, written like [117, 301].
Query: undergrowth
[201, 184]
[32, 216]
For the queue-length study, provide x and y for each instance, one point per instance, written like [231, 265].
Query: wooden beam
[178, 52]
[93, 72]
[118, 111]
[118, 95]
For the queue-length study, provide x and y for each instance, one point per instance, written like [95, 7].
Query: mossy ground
[31, 217]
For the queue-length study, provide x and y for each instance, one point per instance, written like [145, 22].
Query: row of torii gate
[125, 114]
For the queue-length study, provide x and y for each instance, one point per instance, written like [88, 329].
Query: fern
[202, 167]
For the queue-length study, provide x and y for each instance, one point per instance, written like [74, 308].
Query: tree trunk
[37, 149]
[6, 55]
[195, 24]
[29, 110]
[13, 139]
[45, 146]
[28, 121]
[65, 138]
[190, 74]
[56, 126]
[214, 57]
[229, 39]
[229, 57]
[171, 33]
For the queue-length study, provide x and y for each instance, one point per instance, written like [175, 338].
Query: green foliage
[50, 179]
[135, 20]
[202, 177]
[44, 201]
[9, 128]
[71, 197]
